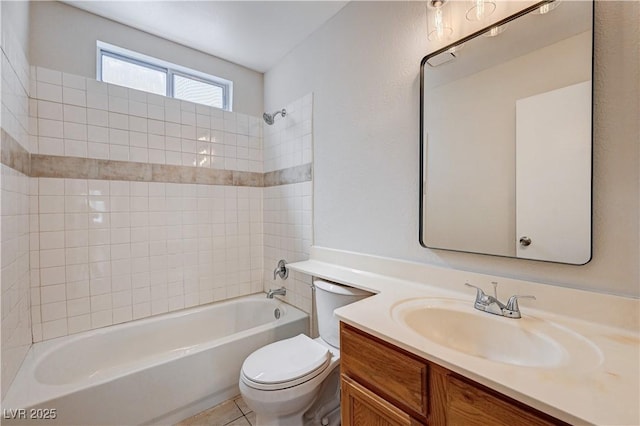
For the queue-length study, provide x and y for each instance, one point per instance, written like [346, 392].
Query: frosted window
[134, 76]
[198, 91]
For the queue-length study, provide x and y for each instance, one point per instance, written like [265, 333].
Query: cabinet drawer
[361, 407]
[390, 372]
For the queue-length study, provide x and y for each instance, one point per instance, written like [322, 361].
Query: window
[123, 67]
[199, 91]
[120, 71]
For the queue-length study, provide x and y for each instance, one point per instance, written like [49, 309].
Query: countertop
[605, 392]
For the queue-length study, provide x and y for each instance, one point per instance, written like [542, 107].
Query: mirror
[506, 136]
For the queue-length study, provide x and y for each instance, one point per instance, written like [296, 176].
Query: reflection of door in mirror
[482, 190]
[553, 170]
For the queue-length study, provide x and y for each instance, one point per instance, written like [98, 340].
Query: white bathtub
[153, 371]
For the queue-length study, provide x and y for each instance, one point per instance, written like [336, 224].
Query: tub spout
[278, 291]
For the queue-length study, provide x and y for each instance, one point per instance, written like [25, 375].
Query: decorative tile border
[53, 166]
[13, 154]
[295, 174]
[88, 168]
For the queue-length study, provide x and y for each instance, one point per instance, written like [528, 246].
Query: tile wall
[103, 252]
[288, 142]
[288, 208]
[288, 235]
[107, 252]
[79, 117]
[14, 201]
[15, 89]
[16, 326]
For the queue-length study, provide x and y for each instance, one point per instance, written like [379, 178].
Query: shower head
[269, 118]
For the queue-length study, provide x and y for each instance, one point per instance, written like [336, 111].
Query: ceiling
[255, 34]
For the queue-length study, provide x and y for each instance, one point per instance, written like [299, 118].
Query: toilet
[296, 381]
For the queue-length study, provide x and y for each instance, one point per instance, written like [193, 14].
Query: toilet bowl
[296, 381]
[283, 395]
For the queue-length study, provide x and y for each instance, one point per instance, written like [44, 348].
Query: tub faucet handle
[281, 270]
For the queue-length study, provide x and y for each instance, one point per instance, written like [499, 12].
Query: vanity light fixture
[547, 7]
[438, 20]
[480, 9]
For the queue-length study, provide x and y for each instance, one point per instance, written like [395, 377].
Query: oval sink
[528, 341]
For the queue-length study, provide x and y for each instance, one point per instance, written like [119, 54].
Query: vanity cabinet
[360, 406]
[385, 385]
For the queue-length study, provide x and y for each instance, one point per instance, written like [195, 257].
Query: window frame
[168, 68]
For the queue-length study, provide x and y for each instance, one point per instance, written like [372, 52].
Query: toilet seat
[285, 363]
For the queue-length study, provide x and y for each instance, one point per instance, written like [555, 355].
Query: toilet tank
[329, 297]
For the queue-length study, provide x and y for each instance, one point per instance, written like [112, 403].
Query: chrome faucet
[277, 291]
[492, 305]
[281, 270]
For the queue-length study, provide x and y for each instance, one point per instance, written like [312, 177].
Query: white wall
[363, 67]
[15, 23]
[64, 38]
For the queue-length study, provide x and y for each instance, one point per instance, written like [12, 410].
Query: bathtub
[158, 370]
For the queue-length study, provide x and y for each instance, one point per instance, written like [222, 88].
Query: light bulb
[480, 9]
[494, 31]
[438, 21]
[439, 24]
[547, 7]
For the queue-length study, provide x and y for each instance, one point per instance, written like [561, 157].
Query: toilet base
[292, 420]
[323, 410]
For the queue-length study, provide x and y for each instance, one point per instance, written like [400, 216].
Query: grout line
[240, 408]
[236, 419]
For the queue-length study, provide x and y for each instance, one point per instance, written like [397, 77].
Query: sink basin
[528, 341]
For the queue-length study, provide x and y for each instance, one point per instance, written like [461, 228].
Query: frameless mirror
[506, 138]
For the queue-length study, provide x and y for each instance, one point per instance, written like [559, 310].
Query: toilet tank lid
[340, 288]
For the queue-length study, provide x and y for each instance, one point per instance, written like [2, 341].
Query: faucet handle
[281, 270]
[480, 295]
[495, 289]
[512, 303]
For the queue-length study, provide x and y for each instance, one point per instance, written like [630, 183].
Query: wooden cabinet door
[361, 407]
[397, 376]
[460, 402]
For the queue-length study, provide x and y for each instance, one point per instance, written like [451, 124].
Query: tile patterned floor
[230, 413]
